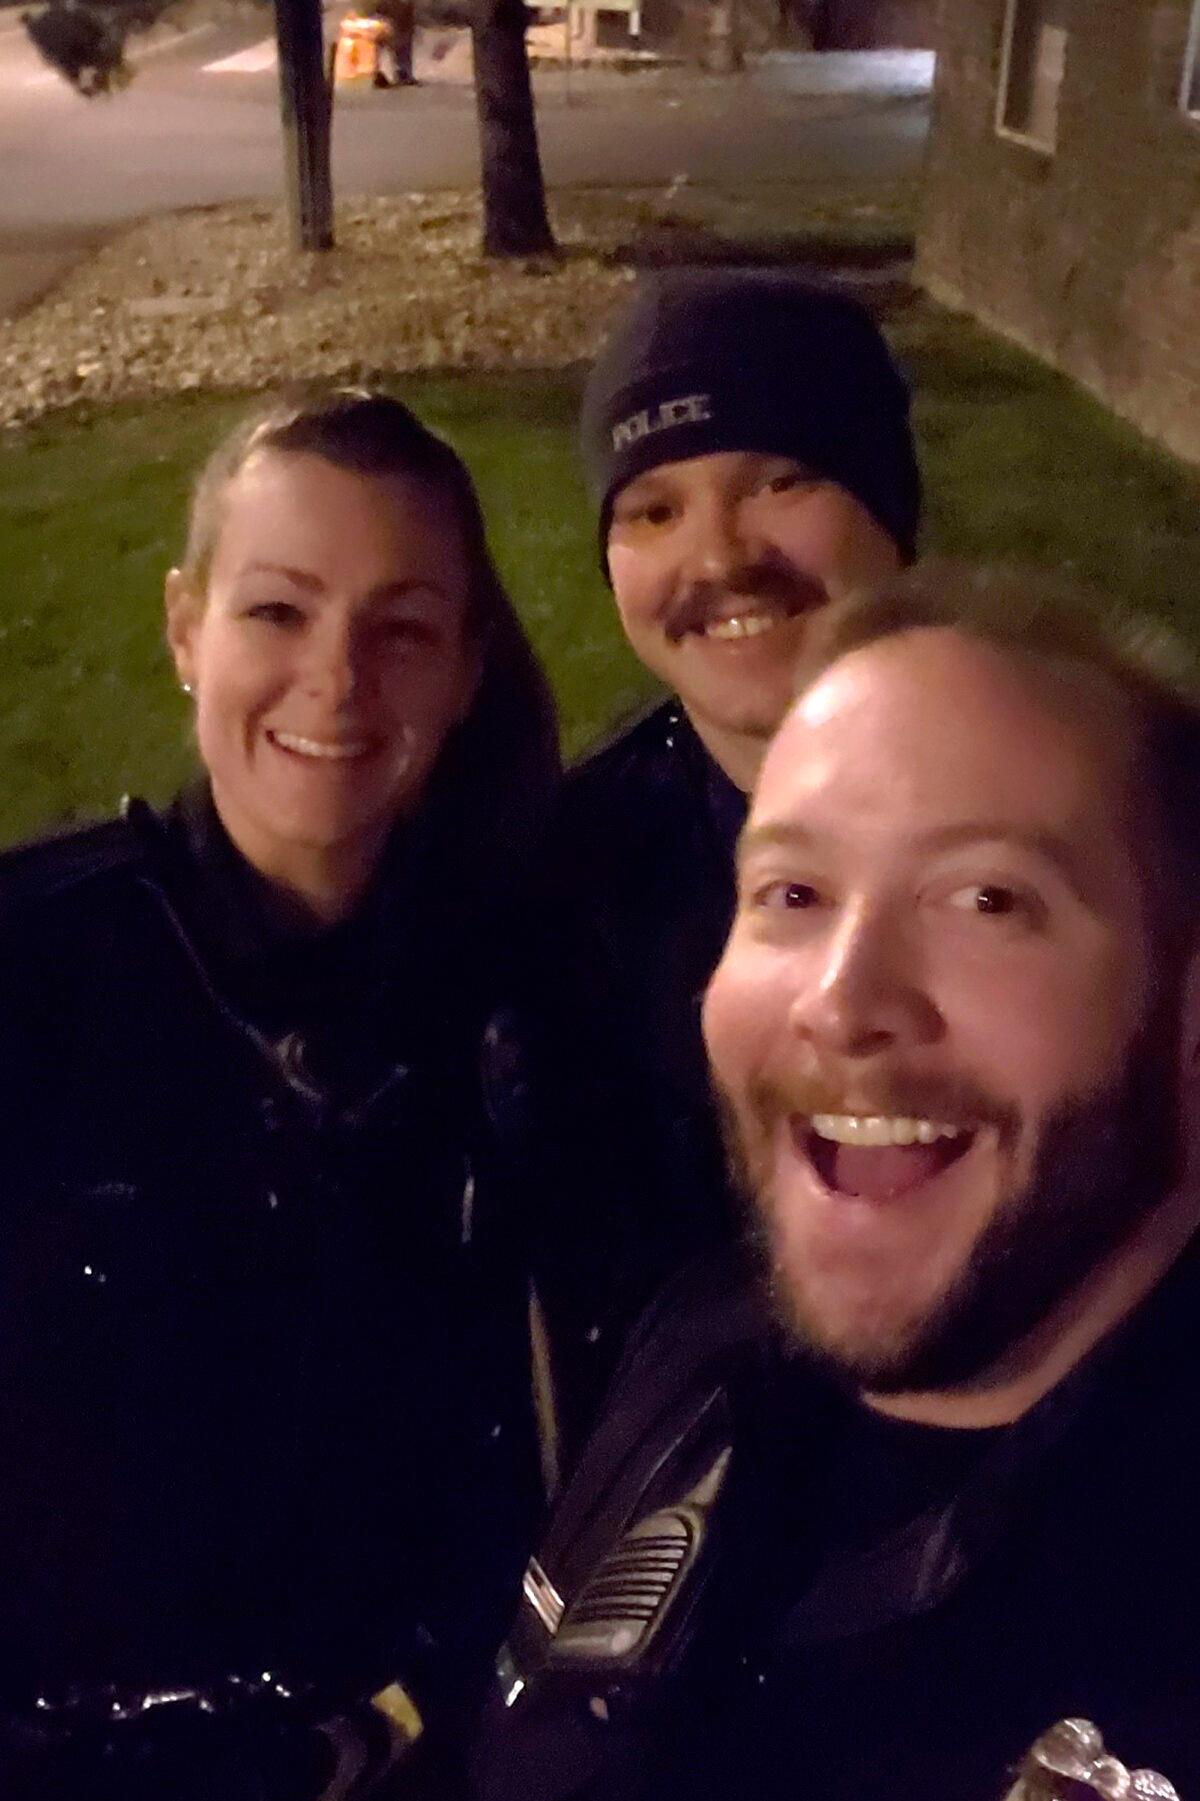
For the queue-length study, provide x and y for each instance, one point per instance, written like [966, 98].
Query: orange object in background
[357, 55]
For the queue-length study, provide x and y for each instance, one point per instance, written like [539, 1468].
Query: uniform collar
[1100, 1406]
[724, 801]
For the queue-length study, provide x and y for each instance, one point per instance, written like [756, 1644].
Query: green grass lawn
[1018, 464]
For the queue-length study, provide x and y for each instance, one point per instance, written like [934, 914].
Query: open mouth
[321, 750]
[736, 627]
[877, 1158]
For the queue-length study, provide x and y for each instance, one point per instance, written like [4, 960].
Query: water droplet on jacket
[1148, 1785]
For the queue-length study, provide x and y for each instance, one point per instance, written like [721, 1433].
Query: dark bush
[85, 46]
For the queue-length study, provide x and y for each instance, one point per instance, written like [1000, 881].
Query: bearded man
[863, 1521]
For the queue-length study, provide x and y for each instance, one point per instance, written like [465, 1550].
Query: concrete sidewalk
[443, 55]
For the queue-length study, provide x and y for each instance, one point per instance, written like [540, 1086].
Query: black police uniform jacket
[262, 1348]
[691, 1631]
[627, 1174]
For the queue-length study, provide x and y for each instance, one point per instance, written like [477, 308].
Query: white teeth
[870, 1129]
[742, 625]
[317, 747]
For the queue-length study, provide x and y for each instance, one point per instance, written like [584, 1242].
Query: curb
[11, 26]
[143, 53]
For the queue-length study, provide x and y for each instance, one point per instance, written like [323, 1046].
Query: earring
[185, 688]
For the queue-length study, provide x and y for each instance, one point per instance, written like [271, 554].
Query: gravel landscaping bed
[213, 299]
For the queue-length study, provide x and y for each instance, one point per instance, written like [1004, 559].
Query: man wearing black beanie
[747, 443]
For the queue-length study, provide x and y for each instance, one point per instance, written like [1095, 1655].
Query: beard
[1103, 1162]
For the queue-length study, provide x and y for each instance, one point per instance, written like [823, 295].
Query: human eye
[285, 614]
[403, 629]
[786, 480]
[1005, 901]
[402, 632]
[777, 895]
[645, 510]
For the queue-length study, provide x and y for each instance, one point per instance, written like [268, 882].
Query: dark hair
[1031, 616]
[492, 787]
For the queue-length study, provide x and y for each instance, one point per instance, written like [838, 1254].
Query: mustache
[791, 590]
[949, 1100]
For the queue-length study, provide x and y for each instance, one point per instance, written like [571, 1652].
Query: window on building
[1189, 92]
[1033, 58]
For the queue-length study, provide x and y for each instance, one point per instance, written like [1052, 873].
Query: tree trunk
[724, 38]
[305, 98]
[515, 222]
[842, 24]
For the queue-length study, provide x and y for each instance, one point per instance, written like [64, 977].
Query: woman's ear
[183, 608]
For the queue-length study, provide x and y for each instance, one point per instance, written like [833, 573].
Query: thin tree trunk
[842, 24]
[724, 38]
[305, 100]
[515, 221]
[821, 23]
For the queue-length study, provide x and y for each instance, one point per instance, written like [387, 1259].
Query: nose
[867, 994]
[721, 544]
[331, 669]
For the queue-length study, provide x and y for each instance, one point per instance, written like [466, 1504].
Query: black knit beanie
[704, 361]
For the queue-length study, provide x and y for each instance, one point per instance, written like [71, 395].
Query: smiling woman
[337, 589]
[330, 655]
[249, 1248]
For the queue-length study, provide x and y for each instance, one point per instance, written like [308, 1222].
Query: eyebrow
[300, 577]
[303, 578]
[1048, 846]
[657, 475]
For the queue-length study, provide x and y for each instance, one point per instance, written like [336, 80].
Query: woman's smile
[323, 749]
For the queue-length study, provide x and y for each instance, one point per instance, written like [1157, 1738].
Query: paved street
[200, 125]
